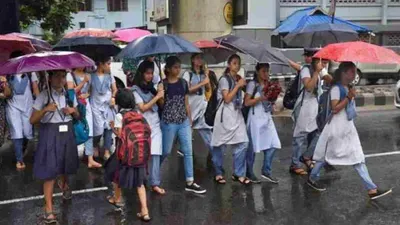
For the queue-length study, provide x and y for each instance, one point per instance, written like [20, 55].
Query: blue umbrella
[320, 35]
[153, 45]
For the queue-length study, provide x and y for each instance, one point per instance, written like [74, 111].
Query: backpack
[134, 145]
[293, 92]
[246, 109]
[213, 104]
[81, 126]
[325, 115]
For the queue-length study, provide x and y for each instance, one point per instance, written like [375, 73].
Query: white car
[397, 95]
[119, 75]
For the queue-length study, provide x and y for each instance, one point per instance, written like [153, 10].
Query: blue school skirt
[56, 152]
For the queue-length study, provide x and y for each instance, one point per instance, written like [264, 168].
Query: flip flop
[161, 192]
[245, 181]
[220, 180]
[117, 205]
[144, 218]
[48, 220]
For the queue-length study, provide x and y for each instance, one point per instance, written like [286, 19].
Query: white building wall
[261, 15]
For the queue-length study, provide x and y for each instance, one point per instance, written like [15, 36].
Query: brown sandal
[297, 171]
[143, 217]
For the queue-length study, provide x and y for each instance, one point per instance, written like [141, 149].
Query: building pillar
[384, 11]
[324, 4]
[202, 19]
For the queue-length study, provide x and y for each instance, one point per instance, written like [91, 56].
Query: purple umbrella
[39, 44]
[43, 61]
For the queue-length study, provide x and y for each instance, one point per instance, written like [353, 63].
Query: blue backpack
[324, 106]
[81, 127]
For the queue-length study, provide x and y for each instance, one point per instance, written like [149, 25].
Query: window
[117, 5]
[240, 12]
[85, 5]
[118, 25]
[82, 25]
[297, 1]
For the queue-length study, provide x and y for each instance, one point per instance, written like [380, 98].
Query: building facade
[107, 14]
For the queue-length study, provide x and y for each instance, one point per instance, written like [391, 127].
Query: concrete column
[200, 19]
[324, 4]
[384, 11]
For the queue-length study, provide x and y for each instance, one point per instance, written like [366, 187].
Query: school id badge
[63, 128]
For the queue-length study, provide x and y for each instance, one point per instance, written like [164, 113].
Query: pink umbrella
[91, 32]
[8, 44]
[129, 35]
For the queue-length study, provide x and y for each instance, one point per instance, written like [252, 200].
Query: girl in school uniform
[56, 154]
[260, 126]
[5, 92]
[102, 100]
[339, 143]
[122, 175]
[146, 98]
[199, 83]
[80, 82]
[19, 110]
[176, 120]
[229, 124]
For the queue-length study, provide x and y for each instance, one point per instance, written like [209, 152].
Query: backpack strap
[256, 85]
[343, 91]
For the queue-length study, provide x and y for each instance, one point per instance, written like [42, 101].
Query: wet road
[291, 202]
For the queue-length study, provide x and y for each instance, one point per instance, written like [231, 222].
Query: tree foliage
[52, 15]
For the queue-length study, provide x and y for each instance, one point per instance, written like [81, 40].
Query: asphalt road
[291, 202]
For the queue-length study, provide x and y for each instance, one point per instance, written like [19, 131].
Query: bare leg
[92, 163]
[48, 189]
[144, 211]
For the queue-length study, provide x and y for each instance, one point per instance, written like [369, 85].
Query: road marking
[5, 202]
[382, 154]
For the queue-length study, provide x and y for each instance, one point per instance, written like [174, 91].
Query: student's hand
[68, 110]
[160, 94]
[160, 87]
[352, 93]
[206, 80]
[83, 96]
[112, 124]
[51, 107]
[112, 102]
[3, 79]
[86, 78]
[241, 83]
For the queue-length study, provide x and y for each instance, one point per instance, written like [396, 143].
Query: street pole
[332, 10]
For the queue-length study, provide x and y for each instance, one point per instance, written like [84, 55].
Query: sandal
[308, 162]
[220, 180]
[158, 190]
[20, 165]
[297, 171]
[245, 181]
[144, 218]
[48, 220]
[117, 205]
[66, 191]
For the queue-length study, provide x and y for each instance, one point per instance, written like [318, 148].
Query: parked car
[397, 95]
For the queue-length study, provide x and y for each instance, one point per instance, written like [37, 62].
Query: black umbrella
[90, 46]
[320, 35]
[256, 50]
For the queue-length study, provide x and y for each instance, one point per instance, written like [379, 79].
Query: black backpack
[213, 104]
[293, 92]
[246, 109]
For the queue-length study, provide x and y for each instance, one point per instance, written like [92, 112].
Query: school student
[199, 84]
[260, 126]
[339, 143]
[156, 72]
[305, 134]
[79, 80]
[146, 98]
[5, 92]
[176, 120]
[119, 172]
[229, 124]
[56, 154]
[102, 100]
[19, 110]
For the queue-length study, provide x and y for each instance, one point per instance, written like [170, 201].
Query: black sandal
[48, 220]
[245, 181]
[144, 218]
[118, 205]
[66, 192]
[220, 180]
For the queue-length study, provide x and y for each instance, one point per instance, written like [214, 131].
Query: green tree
[54, 16]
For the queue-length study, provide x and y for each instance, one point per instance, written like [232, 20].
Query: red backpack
[134, 145]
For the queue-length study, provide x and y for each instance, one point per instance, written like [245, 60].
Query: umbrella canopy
[129, 35]
[40, 45]
[91, 32]
[89, 46]
[360, 52]
[312, 15]
[43, 61]
[152, 45]
[212, 52]
[256, 50]
[319, 35]
[9, 44]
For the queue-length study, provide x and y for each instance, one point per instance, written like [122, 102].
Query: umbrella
[152, 45]
[9, 44]
[129, 35]
[43, 61]
[89, 46]
[40, 45]
[91, 32]
[212, 52]
[358, 51]
[319, 35]
[256, 50]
